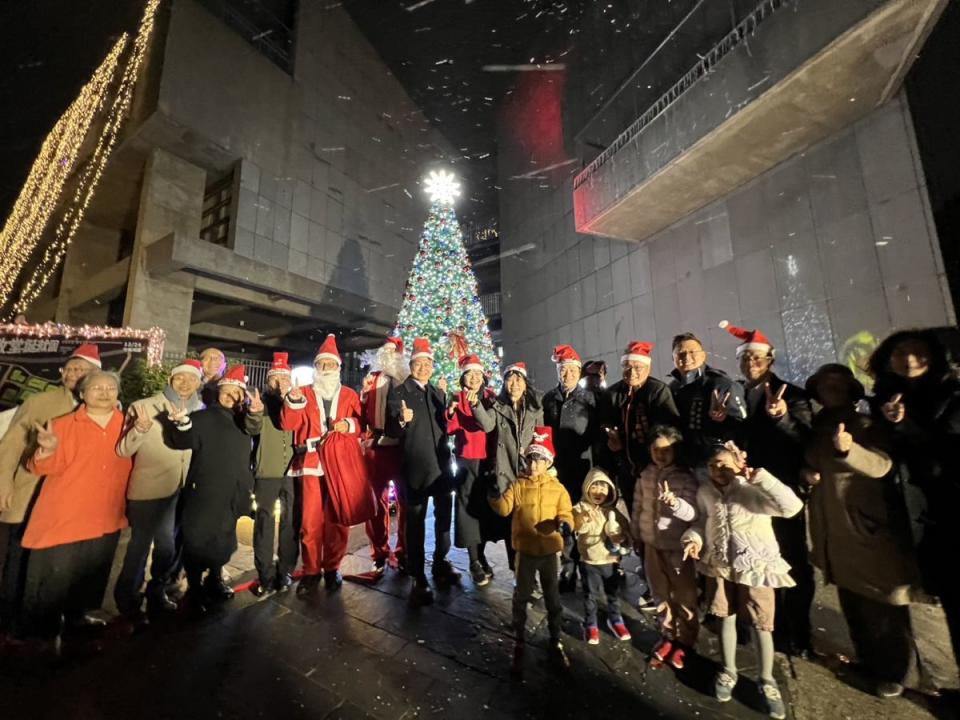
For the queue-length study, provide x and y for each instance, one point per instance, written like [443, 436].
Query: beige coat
[159, 471]
[592, 522]
[858, 527]
[18, 444]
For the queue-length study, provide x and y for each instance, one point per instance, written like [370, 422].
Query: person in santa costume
[313, 414]
[776, 433]
[416, 415]
[384, 454]
[219, 482]
[471, 447]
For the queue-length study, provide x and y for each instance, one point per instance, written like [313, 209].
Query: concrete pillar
[171, 201]
[93, 249]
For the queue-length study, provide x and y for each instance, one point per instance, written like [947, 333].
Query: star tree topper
[442, 187]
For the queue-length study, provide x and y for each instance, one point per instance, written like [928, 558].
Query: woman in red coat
[75, 525]
[470, 447]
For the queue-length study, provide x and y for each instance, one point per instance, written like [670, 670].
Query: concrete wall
[825, 252]
[329, 158]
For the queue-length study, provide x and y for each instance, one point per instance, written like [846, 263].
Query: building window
[217, 202]
[268, 25]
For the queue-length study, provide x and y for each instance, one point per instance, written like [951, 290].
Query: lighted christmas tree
[440, 299]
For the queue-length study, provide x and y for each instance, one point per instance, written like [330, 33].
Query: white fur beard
[326, 384]
[391, 364]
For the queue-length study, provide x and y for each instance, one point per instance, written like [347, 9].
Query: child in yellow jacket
[541, 508]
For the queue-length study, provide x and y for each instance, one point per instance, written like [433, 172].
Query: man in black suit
[416, 416]
[776, 432]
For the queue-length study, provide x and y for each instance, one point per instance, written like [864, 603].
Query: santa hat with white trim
[542, 443]
[752, 339]
[638, 352]
[517, 367]
[88, 352]
[281, 365]
[468, 363]
[395, 342]
[189, 366]
[563, 354]
[237, 375]
[328, 351]
[421, 348]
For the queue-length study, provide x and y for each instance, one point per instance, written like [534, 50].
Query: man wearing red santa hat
[384, 455]
[311, 413]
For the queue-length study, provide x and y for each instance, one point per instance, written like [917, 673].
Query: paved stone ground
[362, 652]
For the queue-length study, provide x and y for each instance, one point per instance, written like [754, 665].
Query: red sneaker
[619, 629]
[593, 635]
[676, 658]
[662, 650]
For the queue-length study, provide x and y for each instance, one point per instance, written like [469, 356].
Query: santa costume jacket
[308, 421]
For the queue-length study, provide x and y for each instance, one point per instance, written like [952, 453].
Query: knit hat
[396, 342]
[189, 366]
[637, 352]
[328, 351]
[563, 354]
[752, 339]
[470, 362]
[421, 348]
[542, 443]
[280, 365]
[88, 352]
[517, 367]
[237, 375]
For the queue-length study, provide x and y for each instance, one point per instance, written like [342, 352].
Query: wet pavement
[363, 652]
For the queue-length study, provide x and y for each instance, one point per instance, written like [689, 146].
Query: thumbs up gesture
[442, 385]
[406, 414]
[47, 442]
[894, 410]
[776, 405]
[612, 527]
[842, 440]
[718, 406]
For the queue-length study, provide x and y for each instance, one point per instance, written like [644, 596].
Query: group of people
[713, 484]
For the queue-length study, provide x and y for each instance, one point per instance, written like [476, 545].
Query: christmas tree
[440, 300]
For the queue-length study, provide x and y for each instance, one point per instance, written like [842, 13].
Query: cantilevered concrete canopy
[776, 86]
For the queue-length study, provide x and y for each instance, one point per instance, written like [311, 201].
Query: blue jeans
[152, 522]
[600, 582]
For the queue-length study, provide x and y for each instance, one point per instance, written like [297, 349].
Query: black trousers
[14, 577]
[268, 491]
[467, 528]
[793, 630]
[882, 636]
[440, 491]
[600, 585]
[152, 522]
[68, 580]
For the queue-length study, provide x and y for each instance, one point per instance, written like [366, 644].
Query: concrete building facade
[826, 249]
[251, 205]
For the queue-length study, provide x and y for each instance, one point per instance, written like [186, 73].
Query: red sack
[347, 479]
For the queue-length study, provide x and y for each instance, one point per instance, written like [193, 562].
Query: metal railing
[490, 304]
[744, 29]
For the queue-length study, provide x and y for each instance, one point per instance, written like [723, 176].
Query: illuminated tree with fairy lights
[440, 299]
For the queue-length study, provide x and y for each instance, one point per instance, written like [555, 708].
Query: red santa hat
[189, 366]
[752, 339]
[517, 367]
[280, 365]
[637, 352]
[470, 362]
[328, 351]
[237, 375]
[563, 354]
[88, 352]
[421, 348]
[395, 342]
[542, 443]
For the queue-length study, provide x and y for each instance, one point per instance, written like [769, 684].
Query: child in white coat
[738, 552]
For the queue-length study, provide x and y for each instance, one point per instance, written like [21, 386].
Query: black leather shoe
[160, 603]
[308, 584]
[217, 589]
[559, 656]
[332, 579]
[443, 571]
[262, 590]
[421, 594]
[284, 583]
[86, 621]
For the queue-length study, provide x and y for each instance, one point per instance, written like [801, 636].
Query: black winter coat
[219, 482]
[778, 445]
[576, 424]
[426, 453]
[693, 395]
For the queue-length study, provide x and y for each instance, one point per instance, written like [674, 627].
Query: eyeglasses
[101, 388]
